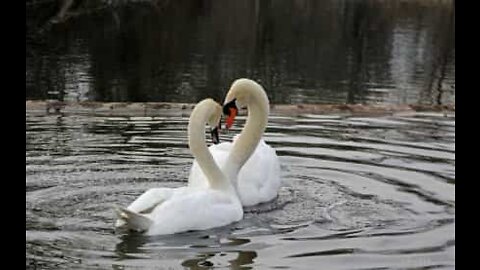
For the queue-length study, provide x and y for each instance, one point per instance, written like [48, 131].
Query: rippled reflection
[302, 51]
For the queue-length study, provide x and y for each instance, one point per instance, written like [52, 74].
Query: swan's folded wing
[259, 179]
[150, 199]
[198, 209]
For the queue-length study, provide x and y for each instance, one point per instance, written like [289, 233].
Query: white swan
[259, 178]
[168, 211]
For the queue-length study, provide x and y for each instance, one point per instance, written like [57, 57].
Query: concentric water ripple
[358, 193]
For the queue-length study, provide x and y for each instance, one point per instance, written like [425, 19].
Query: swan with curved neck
[244, 92]
[167, 210]
[207, 111]
[251, 164]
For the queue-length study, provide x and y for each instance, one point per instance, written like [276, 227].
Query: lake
[359, 191]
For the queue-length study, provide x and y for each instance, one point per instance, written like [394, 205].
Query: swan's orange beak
[230, 110]
[231, 117]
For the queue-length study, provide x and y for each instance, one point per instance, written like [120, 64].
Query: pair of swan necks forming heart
[243, 92]
[219, 204]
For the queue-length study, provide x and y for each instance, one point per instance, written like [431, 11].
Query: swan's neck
[245, 145]
[196, 141]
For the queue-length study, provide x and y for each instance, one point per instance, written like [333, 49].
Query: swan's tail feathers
[132, 220]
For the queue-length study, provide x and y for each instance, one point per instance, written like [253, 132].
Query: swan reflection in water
[202, 249]
[243, 259]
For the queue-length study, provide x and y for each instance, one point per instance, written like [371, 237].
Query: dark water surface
[302, 51]
[358, 193]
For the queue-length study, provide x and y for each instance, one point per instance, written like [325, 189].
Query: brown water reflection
[302, 51]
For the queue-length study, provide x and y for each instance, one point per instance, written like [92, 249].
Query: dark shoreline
[153, 108]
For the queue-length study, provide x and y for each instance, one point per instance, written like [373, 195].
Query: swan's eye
[228, 106]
